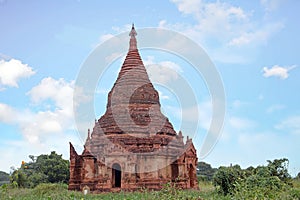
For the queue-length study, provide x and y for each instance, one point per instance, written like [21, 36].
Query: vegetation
[50, 191]
[264, 182]
[43, 169]
[4, 178]
[45, 177]
[205, 172]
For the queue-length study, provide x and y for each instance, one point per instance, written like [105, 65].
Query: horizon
[252, 45]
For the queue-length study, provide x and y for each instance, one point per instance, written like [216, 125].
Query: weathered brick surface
[136, 137]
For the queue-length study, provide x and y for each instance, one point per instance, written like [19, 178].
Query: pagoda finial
[132, 43]
[89, 134]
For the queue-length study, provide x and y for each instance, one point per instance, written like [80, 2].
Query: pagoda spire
[132, 42]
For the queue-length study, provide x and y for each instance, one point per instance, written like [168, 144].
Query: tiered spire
[133, 103]
[132, 42]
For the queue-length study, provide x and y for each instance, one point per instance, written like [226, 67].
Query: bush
[48, 188]
[226, 178]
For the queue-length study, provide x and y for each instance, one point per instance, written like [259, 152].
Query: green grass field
[60, 192]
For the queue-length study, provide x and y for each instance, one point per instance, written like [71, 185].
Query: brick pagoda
[133, 145]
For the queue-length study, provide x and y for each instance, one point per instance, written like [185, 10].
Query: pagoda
[133, 145]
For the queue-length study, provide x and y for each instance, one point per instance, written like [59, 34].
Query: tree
[42, 169]
[54, 167]
[254, 183]
[279, 168]
[19, 178]
[4, 177]
[226, 178]
[206, 172]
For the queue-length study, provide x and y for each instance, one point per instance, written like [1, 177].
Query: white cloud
[255, 37]
[14, 156]
[105, 37]
[37, 126]
[275, 107]
[162, 72]
[237, 104]
[162, 96]
[59, 91]
[271, 5]
[278, 71]
[290, 125]
[238, 123]
[188, 7]
[227, 32]
[12, 71]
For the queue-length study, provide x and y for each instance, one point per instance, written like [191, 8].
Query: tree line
[44, 168]
[270, 181]
[252, 182]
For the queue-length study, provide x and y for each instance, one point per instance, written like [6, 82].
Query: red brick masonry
[133, 145]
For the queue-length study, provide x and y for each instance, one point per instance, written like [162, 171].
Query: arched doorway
[191, 175]
[116, 175]
[174, 170]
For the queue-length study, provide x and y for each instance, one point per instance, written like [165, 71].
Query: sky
[254, 46]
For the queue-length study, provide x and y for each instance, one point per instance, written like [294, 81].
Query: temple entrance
[174, 170]
[191, 175]
[116, 175]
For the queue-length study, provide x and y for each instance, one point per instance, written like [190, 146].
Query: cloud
[162, 72]
[271, 5]
[14, 156]
[275, 107]
[237, 104]
[238, 123]
[162, 95]
[12, 71]
[7, 114]
[227, 32]
[59, 91]
[37, 126]
[278, 71]
[290, 125]
[256, 36]
[188, 7]
[105, 37]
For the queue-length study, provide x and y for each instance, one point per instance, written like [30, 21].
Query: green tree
[42, 169]
[279, 168]
[254, 183]
[19, 178]
[54, 167]
[4, 177]
[226, 178]
[206, 172]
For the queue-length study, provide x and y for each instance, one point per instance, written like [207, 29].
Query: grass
[60, 192]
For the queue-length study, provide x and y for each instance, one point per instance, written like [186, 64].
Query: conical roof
[133, 105]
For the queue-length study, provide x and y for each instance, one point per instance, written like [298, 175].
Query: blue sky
[253, 44]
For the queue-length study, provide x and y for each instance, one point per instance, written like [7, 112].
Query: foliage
[227, 178]
[205, 172]
[298, 176]
[279, 168]
[19, 178]
[262, 182]
[54, 167]
[44, 169]
[56, 191]
[4, 178]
